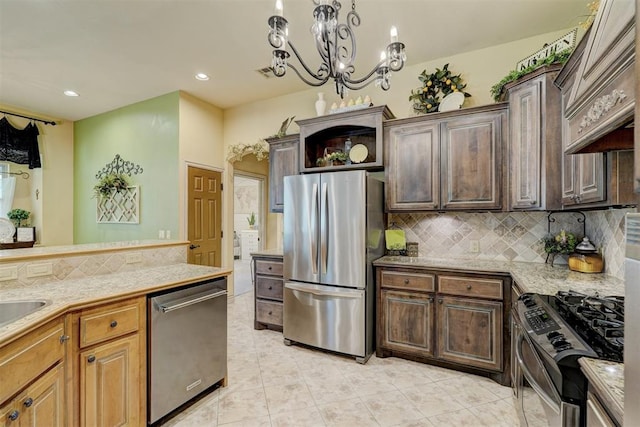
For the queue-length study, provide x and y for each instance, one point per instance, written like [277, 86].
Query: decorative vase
[321, 104]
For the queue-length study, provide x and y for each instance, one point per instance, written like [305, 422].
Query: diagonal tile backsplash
[511, 236]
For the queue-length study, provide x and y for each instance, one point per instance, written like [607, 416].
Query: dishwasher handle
[187, 301]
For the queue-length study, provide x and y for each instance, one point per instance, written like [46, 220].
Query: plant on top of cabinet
[435, 88]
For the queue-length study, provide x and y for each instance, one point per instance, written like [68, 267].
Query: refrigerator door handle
[318, 292]
[324, 229]
[313, 229]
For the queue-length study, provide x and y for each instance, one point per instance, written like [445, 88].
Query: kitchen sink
[11, 311]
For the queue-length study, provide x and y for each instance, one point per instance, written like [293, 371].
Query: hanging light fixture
[336, 45]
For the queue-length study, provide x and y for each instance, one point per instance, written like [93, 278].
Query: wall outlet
[168, 234]
[160, 234]
[474, 246]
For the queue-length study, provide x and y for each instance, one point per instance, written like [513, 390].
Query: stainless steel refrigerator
[333, 230]
[632, 321]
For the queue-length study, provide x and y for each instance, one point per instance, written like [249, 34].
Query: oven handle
[186, 302]
[536, 387]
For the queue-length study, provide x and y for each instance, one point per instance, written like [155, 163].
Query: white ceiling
[117, 52]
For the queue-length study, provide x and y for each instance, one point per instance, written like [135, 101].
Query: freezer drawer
[328, 317]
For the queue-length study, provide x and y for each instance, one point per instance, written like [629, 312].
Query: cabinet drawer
[269, 312]
[466, 286]
[28, 357]
[269, 287]
[402, 280]
[272, 268]
[101, 324]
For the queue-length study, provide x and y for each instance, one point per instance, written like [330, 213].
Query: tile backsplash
[511, 236]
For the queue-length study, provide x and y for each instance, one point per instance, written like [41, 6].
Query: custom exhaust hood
[598, 83]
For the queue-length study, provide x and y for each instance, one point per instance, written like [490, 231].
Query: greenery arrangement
[562, 243]
[435, 87]
[260, 149]
[110, 182]
[556, 58]
[251, 219]
[19, 217]
[339, 156]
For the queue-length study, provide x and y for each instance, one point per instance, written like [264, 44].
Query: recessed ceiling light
[202, 76]
[70, 93]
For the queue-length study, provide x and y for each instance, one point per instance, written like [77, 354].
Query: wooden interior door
[204, 229]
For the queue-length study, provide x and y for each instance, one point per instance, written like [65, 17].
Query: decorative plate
[358, 153]
[451, 102]
[7, 230]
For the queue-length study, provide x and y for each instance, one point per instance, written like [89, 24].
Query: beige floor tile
[204, 412]
[289, 397]
[347, 413]
[456, 419]
[364, 384]
[391, 408]
[327, 390]
[431, 400]
[424, 422]
[242, 405]
[307, 417]
[467, 391]
[500, 413]
[252, 422]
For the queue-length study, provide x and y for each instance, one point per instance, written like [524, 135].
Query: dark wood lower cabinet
[470, 332]
[458, 320]
[407, 321]
[269, 285]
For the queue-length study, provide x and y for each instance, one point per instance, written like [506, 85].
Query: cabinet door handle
[13, 415]
[533, 202]
[440, 301]
[430, 299]
[269, 268]
[406, 281]
[113, 323]
[91, 359]
[64, 338]
[468, 287]
[27, 403]
[270, 313]
[270, 287]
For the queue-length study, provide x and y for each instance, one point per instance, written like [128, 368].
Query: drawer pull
[270, 313]
[27, 403]
[270, 287]
[440, 301]
[64, 338]
[468, 287]
[91, 359]
[113, 323]
[270, 268]
[13, 415]
[406, 281]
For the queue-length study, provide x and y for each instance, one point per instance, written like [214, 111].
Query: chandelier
[336, 45]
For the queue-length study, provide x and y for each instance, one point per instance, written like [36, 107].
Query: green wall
[145, 133]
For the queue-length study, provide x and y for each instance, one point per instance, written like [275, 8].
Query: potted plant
[20, 219]
[563, 243]
[109, 183]
[252, 220]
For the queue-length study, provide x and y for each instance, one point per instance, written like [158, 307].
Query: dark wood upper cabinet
[283, 161]
[535, 149]
[446, 161]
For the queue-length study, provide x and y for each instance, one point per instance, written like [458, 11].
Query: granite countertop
[71, 294]
[607, 380]
[7, 255]
[530, 277]
[268, 253]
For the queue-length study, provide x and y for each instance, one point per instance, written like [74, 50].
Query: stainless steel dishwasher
[187, 344]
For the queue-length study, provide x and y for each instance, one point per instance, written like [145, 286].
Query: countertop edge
[268, 253]
[604, 388]
[63, 308]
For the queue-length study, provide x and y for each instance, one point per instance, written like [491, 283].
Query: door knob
[194, 246]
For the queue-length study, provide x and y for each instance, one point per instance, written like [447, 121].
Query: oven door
[538, 401]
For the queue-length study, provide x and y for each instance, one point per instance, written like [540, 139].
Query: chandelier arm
[318, 77]
[350, 85]
[372, 72]
[320, 81]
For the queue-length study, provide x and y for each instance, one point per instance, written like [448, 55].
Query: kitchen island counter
[71, 294]
[607, 380]
[529, 277]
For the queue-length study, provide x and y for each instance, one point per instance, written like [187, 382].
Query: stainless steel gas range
[549, 334]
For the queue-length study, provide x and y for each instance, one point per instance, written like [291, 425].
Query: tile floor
[242, 276]
[271, 384]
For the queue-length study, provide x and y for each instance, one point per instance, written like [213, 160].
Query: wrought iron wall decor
[120, 206]
[119, 166]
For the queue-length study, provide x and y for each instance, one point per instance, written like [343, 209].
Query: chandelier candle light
[336, 45]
